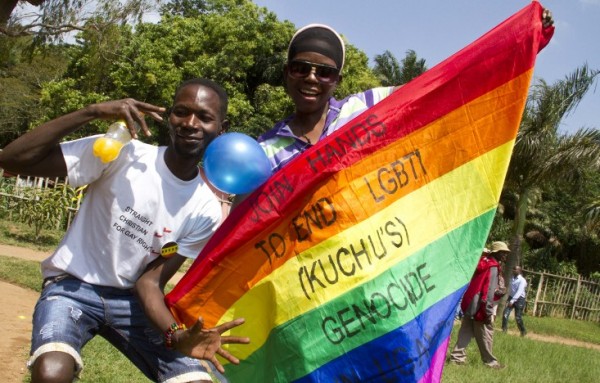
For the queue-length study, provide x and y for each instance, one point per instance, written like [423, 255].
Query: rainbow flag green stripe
[401, 198]
[397, 295]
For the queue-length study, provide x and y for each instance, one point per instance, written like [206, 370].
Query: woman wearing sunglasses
[311, 74]
[313, 70]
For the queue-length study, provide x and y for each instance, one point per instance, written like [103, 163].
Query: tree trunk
[514, 258]
[6, 9]
[8, 6]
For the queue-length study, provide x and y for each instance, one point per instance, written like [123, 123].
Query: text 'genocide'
[397, 294]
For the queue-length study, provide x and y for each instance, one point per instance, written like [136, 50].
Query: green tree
[185, 8]
[411, 66]
[572, 233]
[592, 214]
[390, 72]
[541, 155]
[234, 42]
[195, 8]
[357, 76]
[52, 20]
[243, 49]
[22, 77]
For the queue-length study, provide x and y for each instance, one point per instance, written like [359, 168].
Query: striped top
[281, 145]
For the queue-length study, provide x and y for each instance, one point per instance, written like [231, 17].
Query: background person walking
[478, 305]
[516, 300]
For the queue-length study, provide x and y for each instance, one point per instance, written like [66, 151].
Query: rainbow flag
[348, 264]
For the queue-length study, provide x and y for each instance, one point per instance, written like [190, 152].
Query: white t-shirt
[133, 206]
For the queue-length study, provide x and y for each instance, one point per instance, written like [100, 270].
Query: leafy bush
[42, 207]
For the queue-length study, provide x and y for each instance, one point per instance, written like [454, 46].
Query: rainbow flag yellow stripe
[349, 262]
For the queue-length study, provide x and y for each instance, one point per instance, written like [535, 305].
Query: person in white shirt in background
[516, 300]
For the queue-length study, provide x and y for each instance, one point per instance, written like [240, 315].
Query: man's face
[502, 256]
[195, 120]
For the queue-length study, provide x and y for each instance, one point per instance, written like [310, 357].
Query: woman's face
[311, 92]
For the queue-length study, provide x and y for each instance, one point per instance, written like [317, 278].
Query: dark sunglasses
[324, 73]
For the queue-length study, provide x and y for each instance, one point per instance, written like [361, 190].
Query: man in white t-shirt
[143, 214]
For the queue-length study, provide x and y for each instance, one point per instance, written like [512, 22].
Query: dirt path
[15, 315]
[16, 308]
[555, 339]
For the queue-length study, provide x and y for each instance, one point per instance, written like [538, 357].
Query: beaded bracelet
[170, 332]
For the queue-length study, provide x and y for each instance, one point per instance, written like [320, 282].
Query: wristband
[170, 332]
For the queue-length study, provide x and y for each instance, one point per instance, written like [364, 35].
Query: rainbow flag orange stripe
[348, 263]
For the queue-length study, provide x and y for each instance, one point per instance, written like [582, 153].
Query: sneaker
[456, 362]
[496, 366]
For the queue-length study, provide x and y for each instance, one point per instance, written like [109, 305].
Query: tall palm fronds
[391, 73]
[541, 154]
[592, 215]
[387, 69]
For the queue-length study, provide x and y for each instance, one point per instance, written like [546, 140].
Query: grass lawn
[528, 360]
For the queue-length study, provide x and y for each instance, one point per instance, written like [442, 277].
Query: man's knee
[53, 367]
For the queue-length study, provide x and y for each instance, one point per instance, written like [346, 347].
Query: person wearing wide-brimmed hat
[478, 305]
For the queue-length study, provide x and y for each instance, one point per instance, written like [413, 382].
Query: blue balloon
[235, 163]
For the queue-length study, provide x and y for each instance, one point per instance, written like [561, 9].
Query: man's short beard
[196, 153]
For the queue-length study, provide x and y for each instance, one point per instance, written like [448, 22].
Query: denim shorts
[70, 313]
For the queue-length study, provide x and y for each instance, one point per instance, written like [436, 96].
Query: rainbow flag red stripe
[349, 262]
